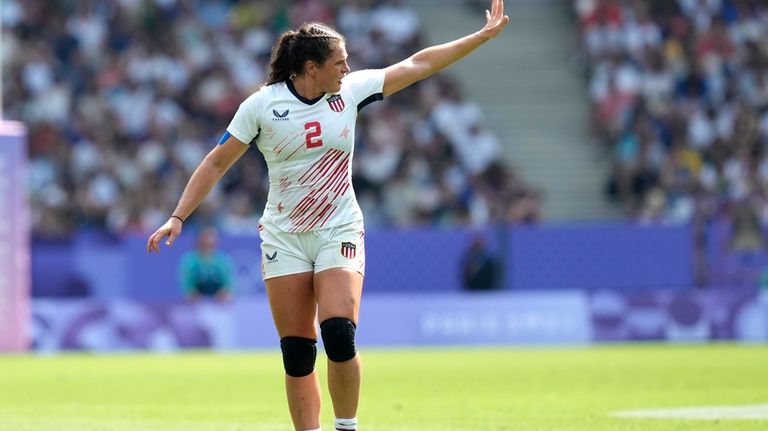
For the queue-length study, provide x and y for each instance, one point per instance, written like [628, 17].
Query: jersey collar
[293, 91]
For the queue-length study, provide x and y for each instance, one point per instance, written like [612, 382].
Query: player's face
[329, 75]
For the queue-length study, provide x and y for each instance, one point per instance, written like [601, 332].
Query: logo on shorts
[271, 259]
[348, 250]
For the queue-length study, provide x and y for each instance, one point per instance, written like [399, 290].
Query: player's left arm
[433, 59]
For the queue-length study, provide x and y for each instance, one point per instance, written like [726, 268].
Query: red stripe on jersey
[279, 150]
[299, 224]
[310, 211]
[323, 170]
[344, 189]
[309, 199]
[303, 205]
[341, 184]
[339, 174]
[294, 152]
[317, 217]
[332, 170]
[320, 216]
[338, 184]
[338, 180]
[317, 206]
[339, 169]
[316, 165]
[327, 217]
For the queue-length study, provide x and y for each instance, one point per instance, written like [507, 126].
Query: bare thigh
[338, 292]
[292, 300]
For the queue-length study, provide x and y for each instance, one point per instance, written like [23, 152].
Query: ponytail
[280, 69]
[312, 41]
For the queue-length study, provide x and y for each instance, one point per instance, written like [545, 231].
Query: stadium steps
[533, 98]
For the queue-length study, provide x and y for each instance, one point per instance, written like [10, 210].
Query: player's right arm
[243, 128]
[210, 171]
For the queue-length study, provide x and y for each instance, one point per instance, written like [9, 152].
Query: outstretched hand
[496, 20]
[171, 229]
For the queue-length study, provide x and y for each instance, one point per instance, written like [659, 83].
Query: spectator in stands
[122, 99]
[206, 272]
[480, 268]
[688, 140]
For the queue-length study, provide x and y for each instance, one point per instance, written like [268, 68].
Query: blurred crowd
[679, 96]
[123, 98]
[679, 93]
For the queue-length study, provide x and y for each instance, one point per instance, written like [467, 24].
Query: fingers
[171, 229]
[496, 12]
[495, 17]
[153, 244]
[171, 238]
[149, 243]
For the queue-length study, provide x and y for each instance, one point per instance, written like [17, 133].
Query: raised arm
[433, 59]
[210, 171]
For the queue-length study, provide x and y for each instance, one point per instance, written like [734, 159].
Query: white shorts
[285, 253]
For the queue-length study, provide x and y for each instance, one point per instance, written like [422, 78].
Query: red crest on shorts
[336, 103]
[348, 250]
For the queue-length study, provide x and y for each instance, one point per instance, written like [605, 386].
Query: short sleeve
[366, 86]
[246, 123]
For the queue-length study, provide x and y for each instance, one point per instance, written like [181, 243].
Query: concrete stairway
[532, 97]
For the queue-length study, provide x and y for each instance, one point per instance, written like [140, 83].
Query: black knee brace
[298, 355]
[339, 338]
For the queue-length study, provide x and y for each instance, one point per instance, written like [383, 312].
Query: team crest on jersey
[280, 116]
[348, 250]
[336, 103]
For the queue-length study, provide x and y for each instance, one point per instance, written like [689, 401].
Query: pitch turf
[557, 389]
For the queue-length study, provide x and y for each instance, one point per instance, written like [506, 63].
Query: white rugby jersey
[308, 146]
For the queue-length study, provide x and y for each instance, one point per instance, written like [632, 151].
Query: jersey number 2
[313, 131]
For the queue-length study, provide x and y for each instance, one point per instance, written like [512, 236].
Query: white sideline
[746, 412]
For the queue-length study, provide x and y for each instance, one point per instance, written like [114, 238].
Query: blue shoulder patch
[224, 138]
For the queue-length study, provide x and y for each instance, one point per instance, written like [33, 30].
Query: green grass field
[520, 389]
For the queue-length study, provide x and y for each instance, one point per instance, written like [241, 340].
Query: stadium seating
[123, 99]
[678, 92]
